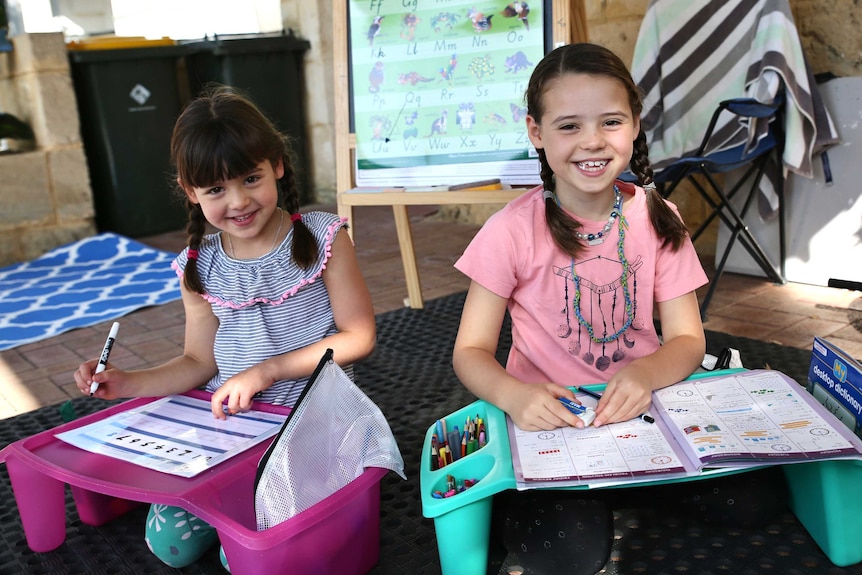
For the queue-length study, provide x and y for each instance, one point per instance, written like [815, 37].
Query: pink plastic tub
[339, 535]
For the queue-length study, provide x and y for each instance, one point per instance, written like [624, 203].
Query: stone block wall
[45, 195]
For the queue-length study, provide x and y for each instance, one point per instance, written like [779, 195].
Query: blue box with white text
[835, 379]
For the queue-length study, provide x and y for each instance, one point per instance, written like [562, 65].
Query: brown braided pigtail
[665, 221]
[305, 250]
[195, 230]
[561, 225]
[640, 160]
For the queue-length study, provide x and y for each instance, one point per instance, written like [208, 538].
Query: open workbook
[734, 420]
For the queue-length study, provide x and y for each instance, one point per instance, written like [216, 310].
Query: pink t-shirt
[514, 256]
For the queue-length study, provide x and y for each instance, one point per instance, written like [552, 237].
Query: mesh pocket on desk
[332, 435]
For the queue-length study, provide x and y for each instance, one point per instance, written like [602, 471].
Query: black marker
[643, 417]
[592, 394]
[106, 351]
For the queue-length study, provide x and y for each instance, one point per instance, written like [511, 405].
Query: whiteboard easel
[568, 26]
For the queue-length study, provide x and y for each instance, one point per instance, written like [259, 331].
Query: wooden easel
[569, 25]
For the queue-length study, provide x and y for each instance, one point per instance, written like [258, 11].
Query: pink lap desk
[338, 535]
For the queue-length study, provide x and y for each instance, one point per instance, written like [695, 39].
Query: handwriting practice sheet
[175, 434]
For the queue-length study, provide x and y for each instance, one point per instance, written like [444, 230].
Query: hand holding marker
[106, 351]
[643, 416]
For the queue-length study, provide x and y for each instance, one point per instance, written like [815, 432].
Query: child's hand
[111, 381]
[238, 392]
[626, 396]
[534, 407]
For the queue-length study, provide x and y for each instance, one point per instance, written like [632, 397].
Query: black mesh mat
[410, 377]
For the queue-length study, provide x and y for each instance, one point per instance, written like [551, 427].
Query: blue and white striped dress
[266, 306]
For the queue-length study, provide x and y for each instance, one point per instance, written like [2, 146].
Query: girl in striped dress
[264, 296]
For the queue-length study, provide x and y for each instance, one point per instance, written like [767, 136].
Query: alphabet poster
[438, 90]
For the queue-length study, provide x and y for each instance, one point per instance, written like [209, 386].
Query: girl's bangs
[219, 157]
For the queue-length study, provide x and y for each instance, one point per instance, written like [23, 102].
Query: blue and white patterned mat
[81, 284]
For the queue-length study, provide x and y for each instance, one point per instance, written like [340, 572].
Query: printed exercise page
[629, 449]
[175, 434]
[753, 416]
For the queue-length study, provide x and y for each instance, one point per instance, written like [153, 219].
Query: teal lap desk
[824, 496]
[318, 540]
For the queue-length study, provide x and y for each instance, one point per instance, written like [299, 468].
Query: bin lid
[116, 49]
[118, 42]
[249, 43]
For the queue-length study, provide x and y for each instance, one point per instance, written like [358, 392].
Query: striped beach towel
[689, 56]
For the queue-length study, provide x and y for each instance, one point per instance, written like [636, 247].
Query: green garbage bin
[129, 96]
[267, 67]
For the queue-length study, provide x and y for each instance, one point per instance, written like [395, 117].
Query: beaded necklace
[599, 237]
[624, 278]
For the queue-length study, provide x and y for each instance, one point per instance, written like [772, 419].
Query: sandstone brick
[10, 249]
[609, 10]
[70, 182]
[618, 36]
[53, 108]
[40, 52]
[24, 190]
[8, 97]
[5, 65]
[830, 47]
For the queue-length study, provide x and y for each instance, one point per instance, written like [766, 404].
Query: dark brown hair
[222, 135]
[594, 60]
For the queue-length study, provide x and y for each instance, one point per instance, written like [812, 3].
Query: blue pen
[575, 408]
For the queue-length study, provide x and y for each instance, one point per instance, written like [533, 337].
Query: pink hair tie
[193, 254]
[297, 217]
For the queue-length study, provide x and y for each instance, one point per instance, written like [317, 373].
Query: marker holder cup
[463, 521]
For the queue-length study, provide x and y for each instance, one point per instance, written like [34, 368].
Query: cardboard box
[835, 379]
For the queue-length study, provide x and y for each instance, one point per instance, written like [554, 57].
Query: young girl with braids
[582, 262]
[264, 296]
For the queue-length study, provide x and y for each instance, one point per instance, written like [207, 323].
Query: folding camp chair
[696, 62]
[754, 162]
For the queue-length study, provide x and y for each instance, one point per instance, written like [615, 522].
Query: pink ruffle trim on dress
[330, 236]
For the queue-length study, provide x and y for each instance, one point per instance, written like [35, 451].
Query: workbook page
[752, 416]
[626, 450]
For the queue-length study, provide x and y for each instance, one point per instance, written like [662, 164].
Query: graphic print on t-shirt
[602, 313]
